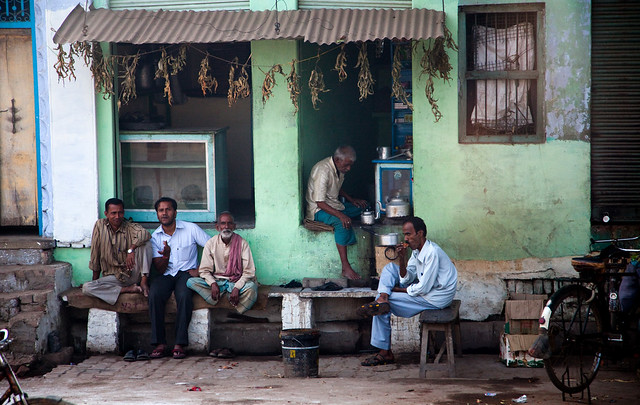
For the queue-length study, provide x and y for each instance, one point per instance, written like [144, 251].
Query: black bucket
[300, 352]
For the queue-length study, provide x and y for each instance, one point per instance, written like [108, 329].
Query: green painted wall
[505, 202]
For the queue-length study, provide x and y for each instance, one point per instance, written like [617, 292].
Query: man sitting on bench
[120, 255]
[426, 281]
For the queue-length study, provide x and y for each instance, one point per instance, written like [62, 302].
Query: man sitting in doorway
[323, 189]
[120, 256]
[226, 268]
[426, 281]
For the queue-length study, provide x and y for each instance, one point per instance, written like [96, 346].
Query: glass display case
[189, 167]
[394, 179]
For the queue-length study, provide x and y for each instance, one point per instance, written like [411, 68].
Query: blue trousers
[341, 235]
[402, 304]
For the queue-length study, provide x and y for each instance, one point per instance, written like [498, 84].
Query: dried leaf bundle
[341, 64]
[102, 71]
[128, 76]
[62, 68]
[316, 86]
[206, 81]
[162, 72]
[238, 88]
[293, 85]
[365, 78]
[397, 90]
[269, 82]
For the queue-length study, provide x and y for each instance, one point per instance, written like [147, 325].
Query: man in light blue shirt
[175, 257]
[426, 281]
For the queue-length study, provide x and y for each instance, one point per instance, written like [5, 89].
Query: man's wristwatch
[129, 250]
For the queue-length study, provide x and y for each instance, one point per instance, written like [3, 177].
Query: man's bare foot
[349, 273]
[131, 289]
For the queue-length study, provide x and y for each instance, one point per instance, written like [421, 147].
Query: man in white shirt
[426, 281]
[175, 257]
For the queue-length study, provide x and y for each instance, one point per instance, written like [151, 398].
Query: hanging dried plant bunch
[316, 86]
[83, 48]
[397, 90]
[341, 64]
[435, 64]
[102, 71]
[269, 82]
[365, 78]
[293, 85]
[238, 88]
[206, 81]
[179, 61]
[128, 76]
[62, 67]
[162, 72]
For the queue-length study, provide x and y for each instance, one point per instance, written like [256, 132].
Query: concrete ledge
[137, 303]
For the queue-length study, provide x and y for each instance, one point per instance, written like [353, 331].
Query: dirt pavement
[107, 379]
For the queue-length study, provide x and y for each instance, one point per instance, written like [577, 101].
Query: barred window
[501, 74]
[12, 11]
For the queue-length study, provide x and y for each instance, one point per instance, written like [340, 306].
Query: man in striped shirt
[120, 255]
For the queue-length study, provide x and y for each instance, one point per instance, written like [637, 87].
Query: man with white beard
[226, 267]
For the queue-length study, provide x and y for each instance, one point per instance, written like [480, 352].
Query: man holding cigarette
[427, 280]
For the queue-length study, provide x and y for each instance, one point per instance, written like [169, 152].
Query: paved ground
[258, 380]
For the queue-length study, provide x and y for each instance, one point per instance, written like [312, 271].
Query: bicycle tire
[575, 338]
[47, 401]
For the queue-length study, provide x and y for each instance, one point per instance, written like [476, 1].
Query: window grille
[501, 76]
[15, 11]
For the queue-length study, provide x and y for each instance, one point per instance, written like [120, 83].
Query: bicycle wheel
[47, 401]
[575, 339]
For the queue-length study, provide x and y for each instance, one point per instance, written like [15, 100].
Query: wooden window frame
[536, 74]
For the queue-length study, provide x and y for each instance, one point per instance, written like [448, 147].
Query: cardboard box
[513, 351]
[521, 313]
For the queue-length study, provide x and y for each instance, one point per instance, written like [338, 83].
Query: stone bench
[103, 324]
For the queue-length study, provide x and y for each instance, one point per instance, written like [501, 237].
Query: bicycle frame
[13, 394]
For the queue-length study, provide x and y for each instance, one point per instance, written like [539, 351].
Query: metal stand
[564, 394]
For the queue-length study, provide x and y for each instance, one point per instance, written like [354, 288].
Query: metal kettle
[396, 208]
[368, 217]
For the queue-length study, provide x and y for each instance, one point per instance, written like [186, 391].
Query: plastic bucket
[300, 352]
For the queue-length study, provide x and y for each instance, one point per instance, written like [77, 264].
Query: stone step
[34, 277]
[27, 250]
[13, 303]
[26, 332]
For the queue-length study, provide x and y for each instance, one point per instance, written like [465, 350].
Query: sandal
[214, 352]
[130, 356]
[142, 355]
[377, 360]
[226, 353]
[179, 354]
[157, 353]
[373, 308]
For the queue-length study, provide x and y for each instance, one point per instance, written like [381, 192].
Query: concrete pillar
[199, 330]
[297, 313]
[102, 331]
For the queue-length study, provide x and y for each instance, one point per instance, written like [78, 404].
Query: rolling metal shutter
[615, 111]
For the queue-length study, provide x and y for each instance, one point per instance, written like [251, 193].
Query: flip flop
[130, 356]
[214, 352]
[373, 309]
[226, 353]
[179, 354]
[157, 354]
[377, 360]
[142, 355]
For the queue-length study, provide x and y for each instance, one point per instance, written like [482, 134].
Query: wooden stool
[440, 320]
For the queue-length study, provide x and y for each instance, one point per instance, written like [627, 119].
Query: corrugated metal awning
[321, 26]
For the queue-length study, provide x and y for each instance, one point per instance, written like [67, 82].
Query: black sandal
[130, 356]
[373, 308]
[377, 360]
